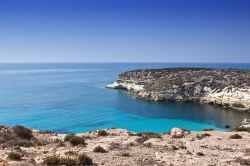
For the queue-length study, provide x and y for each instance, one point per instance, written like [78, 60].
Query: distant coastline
[226, 87]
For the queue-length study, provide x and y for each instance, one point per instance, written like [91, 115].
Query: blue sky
[125, 31]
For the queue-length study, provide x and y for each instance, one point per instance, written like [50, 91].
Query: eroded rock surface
[227, 87]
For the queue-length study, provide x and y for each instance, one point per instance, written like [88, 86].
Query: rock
[245, 122]
[178, 133]
[115, 85]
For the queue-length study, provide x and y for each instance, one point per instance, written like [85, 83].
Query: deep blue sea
[72, 98]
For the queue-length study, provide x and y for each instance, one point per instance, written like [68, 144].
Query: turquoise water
[72, 98]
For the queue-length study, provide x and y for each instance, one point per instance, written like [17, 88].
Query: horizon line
[58, 62]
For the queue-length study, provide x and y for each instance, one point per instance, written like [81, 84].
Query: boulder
[179, 133]
[115, 85]
[245, 122]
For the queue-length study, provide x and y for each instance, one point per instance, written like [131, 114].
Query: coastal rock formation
[123, 148]
[226, 87]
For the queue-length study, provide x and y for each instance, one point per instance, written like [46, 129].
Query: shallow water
[71, 98]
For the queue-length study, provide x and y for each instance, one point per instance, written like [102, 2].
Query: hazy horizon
[132, 31]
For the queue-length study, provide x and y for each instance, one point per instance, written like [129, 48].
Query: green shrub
[83, 159]
[47, 132]
[68, 137]
[22, 132]
[67, 161]
[52, 160]
[102, 133]
[141, 140]
[144, 136]
[74, 140]
[178, 136]
[174, 147]
[236, 136]
[14, 156]
[99, 149]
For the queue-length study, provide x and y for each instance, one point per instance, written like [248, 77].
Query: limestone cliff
[226, 87]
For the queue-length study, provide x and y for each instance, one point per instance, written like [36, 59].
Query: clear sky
[125, 31]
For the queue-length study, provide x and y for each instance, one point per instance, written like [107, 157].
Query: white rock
[178, 133]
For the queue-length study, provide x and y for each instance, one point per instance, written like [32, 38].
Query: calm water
[71, 98]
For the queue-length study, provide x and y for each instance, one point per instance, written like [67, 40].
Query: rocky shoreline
[226, 87]
[20, 146]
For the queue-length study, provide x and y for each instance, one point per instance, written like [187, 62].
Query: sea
[72, 98]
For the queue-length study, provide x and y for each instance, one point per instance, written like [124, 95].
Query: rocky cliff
[226, 87]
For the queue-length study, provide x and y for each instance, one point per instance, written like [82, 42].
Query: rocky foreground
[20, 146]
[226, 87]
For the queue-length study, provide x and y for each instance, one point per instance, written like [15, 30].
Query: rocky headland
[225, 87]
[20, 146]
